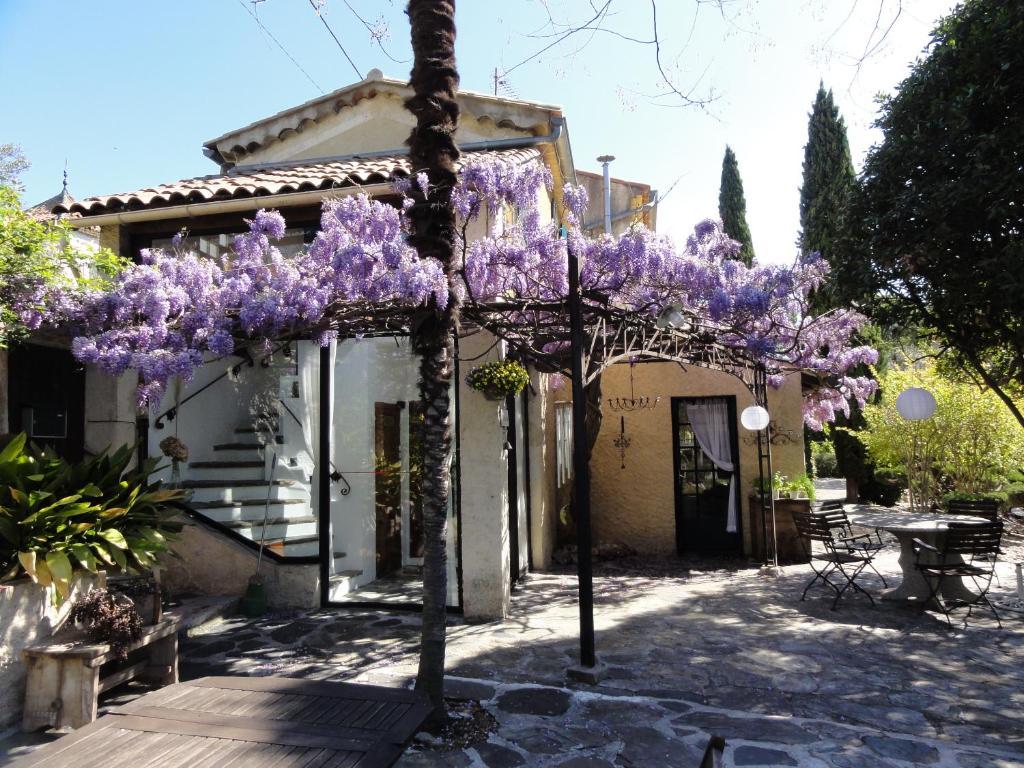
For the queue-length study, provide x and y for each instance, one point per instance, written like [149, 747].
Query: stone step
[228, 471]
[255, 445]
[251, 511]
[287, 528]
[342, 583]
[254, 430]
[246, 490]
[296, 546]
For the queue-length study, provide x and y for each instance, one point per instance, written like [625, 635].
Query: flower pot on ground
[498, 379]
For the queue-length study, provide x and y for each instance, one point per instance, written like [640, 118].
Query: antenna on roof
[505, 86]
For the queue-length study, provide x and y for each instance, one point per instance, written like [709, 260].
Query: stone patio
[692, 650]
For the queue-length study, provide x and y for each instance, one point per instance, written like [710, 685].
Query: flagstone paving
[691, 650]
[689, 653]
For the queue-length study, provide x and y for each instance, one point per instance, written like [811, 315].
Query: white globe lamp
[916, 404]
[755, 418]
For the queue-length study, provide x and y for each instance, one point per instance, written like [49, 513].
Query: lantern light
[672, 317]
[916, 404]
[755, 418]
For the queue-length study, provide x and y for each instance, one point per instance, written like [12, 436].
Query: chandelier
[632, 403]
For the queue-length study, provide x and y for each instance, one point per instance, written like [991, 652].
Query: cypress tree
[827, 183]
[732, 207]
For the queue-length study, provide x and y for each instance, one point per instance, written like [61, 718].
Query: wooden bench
[64, 679]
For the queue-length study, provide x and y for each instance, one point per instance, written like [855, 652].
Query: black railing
[234, 370]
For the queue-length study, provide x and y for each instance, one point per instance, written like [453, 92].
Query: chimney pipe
[605, 161]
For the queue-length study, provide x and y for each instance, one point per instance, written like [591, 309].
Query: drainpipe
[605, 161]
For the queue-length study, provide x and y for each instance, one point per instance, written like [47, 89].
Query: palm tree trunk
[432, 150]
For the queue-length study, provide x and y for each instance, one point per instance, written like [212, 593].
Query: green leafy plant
[499, 378]
[968, 446]
[57, 518]
[799, 484]
[823, 455]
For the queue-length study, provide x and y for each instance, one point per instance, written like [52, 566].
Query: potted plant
[498, 379]
[108, 617]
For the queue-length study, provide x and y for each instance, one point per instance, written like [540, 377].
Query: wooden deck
[246, 723]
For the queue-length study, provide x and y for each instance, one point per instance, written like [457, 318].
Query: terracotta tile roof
[276, 180]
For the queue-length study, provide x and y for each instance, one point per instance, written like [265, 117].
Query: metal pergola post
[581, 468]
[764, 463]
[323, 474]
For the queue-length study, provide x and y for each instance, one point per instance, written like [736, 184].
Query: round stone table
[929, 528]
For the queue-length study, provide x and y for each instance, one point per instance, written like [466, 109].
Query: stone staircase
[235, 490]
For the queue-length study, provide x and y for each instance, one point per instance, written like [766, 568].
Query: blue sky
[127, 91]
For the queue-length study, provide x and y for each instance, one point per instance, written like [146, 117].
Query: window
[563, 442]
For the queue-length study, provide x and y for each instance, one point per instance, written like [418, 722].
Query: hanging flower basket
[498, 379]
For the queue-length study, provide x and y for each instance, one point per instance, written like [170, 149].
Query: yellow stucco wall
[635, 506]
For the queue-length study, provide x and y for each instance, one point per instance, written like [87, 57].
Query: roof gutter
[226, 206]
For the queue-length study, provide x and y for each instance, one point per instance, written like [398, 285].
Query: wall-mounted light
[672, 317]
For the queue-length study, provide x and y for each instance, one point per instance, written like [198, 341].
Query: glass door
[702, 489]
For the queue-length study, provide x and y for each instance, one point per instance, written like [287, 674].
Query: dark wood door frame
[730, 401]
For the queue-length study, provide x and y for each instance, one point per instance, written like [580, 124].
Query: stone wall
[635, 506]
[210, 563]
[28, 616]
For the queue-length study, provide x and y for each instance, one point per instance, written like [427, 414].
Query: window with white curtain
[563, 442]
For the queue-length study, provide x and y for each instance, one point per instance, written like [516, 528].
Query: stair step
[271, 521]
[293, 540]
[236, 464]
[254, 430]
[201, 505]
[237, 483]
[240, 446]
[346, 575]
[339, 555]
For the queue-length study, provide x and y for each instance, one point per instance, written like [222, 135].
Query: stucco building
[253, 426]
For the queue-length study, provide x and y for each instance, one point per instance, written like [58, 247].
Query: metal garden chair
[843, 555]
[986, 508]
[835, 514]
[977, 541]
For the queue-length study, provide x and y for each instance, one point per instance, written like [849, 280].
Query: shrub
[56, 517]
[499, 378]
[969, 444]
[798, 483]
[885, 488]
[823, 455]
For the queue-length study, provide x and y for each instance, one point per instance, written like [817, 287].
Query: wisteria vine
[167, 314]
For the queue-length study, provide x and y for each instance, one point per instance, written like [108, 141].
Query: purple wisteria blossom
[177, 308]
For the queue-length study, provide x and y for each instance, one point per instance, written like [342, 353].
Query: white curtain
[710, 422]
[309, 411]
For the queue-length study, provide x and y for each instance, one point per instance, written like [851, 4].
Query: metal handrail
[172, 412]
[336, 475]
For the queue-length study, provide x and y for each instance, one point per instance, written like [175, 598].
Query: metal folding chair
[842, 555]
[835, 514]
[986, 508]
[957, 556]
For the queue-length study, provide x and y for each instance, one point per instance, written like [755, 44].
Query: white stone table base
[929, 528]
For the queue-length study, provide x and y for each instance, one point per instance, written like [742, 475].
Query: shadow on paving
[691, 651]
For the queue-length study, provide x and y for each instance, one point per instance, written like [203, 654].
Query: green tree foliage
[34, 252]
[936, 236]
[12, 164]
[970, 445]
[732, 207]
[828, 181]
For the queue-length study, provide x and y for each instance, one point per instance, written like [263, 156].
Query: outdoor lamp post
[916, 404]
[757, 419]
